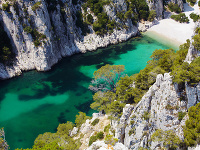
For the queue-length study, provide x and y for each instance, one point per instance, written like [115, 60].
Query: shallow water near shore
[162, 39]
[36, 102]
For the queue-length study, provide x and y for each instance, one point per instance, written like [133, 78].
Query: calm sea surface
[36, 102]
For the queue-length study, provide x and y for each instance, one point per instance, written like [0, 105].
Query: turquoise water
[36, 102]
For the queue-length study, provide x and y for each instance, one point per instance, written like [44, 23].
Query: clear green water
[37, 102]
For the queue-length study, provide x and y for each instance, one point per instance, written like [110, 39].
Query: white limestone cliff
[156, 5]
[63, 38]
[161, 104]
[158, 109]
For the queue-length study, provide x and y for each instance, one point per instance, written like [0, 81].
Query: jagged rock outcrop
[196, 148]
[179, 2]
[193, 94]
[100, 145]
[158, 109]
[192, 52]
[87, 129]
[55, 28]
[156, 5]
[120, 125]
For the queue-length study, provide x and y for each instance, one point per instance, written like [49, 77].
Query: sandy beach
[174, 32]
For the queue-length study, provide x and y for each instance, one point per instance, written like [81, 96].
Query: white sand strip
[173, 31]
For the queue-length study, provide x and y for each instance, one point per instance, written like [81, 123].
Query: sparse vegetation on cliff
[182, 18]
[192, 2]
[169, 138]
[192, 127]
[6, 7]
[174, 7]
[152, 15]
[3, 143]
[126, 89]
[37, 37]
[62, 139]
[6, 53]
[183, 71]
[36, 6]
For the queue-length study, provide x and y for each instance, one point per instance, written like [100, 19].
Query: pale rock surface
[87, 130]
[194, 148]
[63, 38]
[161, 95]
[100, 145]
[193, 94]
[179, 2]
[192, 52]
[120, 125]
[74, 131]
[156, 5]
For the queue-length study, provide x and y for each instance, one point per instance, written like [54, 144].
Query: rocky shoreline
[59, 27]
[91, 42]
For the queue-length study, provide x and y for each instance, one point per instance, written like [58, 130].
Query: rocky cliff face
[158, 109]
[55, 33]
[192, 52]
[192, 92]
[179, 2]
[156, 5]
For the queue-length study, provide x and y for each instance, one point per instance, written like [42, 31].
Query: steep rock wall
[62, 37]
[158, 109]
[156, 5]
[192, 52]
[179, 2]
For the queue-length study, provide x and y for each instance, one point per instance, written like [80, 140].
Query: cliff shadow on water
[39, 101]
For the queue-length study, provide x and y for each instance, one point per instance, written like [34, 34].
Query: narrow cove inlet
[36, 102]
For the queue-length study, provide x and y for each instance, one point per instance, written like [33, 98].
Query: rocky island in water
[157, 108]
